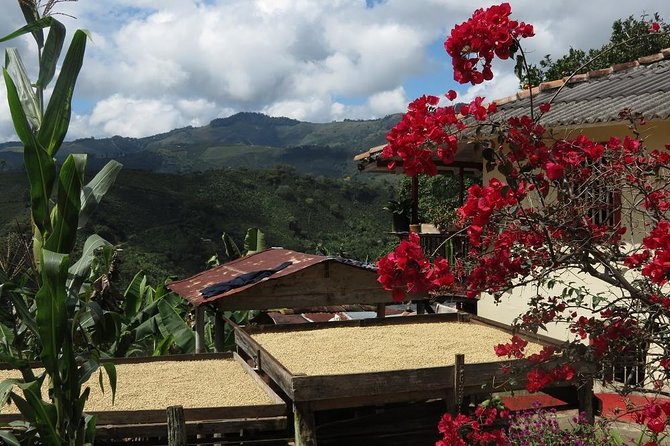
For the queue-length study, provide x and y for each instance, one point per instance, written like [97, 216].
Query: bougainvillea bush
[553, 207]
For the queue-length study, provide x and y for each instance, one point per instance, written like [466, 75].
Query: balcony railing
[451, 245]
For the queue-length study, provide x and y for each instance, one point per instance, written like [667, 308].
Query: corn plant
[61, 203]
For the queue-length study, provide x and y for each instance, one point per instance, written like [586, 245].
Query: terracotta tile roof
[643, 85]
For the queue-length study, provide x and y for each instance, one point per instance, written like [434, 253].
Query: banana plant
[61, 202]
[151, 322]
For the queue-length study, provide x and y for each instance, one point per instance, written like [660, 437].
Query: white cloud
[186, 61]
[120, 115]
[387, 102]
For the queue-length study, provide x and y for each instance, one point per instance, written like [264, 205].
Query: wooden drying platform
[147, 426]
[453, 383]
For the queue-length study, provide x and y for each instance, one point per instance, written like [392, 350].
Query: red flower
[656, 425]
[406, 270]
[544, 108]
[451, 95]
[554, 171]
[426, 129]
[488, 33]
[655, 27]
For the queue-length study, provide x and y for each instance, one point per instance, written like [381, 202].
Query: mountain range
[249, 140]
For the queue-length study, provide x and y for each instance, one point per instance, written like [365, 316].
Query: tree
[49, 324]
[549, 211]
[631, 30]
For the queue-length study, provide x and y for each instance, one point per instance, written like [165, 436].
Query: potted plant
[400, 210]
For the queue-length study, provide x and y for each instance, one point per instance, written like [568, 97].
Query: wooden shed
[307, 281]
[279, 278]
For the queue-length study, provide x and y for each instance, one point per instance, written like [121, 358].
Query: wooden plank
[375, 400]
[265, 361]
[304, 425]
[109, 432]
[534, 337]
[146, 359]
[259, 381]
[191, 414]
[305, 300]
[399, 320]
[311, 388]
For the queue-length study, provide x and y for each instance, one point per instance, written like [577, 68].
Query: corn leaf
[51, 309]
[57, 115]
[110, 370]
[17, 70]
[39, 165]
[51, 53]
[43, 414]
[31, 27]
[70, 183]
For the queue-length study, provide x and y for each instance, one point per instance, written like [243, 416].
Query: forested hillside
[170, 224]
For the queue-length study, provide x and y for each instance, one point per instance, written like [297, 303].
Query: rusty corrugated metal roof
[190, 288]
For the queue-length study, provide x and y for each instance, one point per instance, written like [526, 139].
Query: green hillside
[171, 224]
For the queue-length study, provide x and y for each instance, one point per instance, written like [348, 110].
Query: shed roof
[190, 288]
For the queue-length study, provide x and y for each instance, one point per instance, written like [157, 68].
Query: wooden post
[219, 332]
[420, 307]
[176, 426]
[303, 422]
[381, 310]
[585, 400]
[200, 329]
[459, 380]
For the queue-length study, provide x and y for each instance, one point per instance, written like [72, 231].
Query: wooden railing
[451, 245]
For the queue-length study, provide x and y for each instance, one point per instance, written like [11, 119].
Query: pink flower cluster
[407, 271]
[488, 33]
[428, 129]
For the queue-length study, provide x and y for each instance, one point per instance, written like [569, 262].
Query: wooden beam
[264, 360]
[459, 381]
[110, 432]
[200, 329]
[259, 381]
[427, 319]
[219, 332]
[585, 397]
[176, 426]
[305, 427]
[381, 311]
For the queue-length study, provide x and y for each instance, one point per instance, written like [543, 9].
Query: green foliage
[439, 197]
[630, 39]
[169, 225]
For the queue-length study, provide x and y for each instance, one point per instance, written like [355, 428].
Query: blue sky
[154, 65]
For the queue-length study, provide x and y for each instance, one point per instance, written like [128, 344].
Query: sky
[155, 65]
